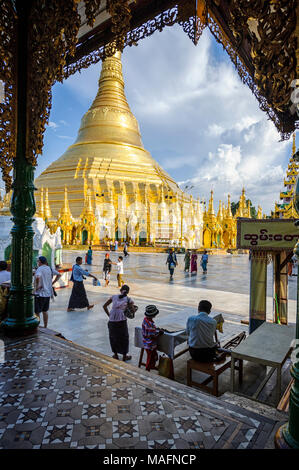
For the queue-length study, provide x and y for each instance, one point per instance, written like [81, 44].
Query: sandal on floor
[90, 307]
[127, 358]
[70, 309]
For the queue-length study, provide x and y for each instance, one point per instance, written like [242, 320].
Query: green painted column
[21, 319]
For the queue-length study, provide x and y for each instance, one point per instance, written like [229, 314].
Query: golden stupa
[108, 172]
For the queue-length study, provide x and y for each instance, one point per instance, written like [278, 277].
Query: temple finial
[47, 213]
[229, 209]
[211, 204]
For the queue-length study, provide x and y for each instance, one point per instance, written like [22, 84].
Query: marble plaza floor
[59, 394]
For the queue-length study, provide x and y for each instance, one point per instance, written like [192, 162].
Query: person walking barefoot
[78, 298]
[117, 324]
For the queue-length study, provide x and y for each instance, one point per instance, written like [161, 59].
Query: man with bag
[172, 262]
[150, 335]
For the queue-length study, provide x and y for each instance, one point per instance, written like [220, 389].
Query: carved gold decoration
[166, 18]
[271, 28]
[7, 76]
[91, 8]
[193, 18]
[120, 15]
[48, 47]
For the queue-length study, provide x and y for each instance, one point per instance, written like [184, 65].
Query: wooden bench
[283, 405]
[213, 369]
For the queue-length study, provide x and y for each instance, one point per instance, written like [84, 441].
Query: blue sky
[196, 117]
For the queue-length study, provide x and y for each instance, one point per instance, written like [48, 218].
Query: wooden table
[169, 341]
[269, 345]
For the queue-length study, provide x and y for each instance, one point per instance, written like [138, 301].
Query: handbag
[130, 310]
[165, 367]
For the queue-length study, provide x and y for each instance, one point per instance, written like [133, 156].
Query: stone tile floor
[55, 394]
[58, 394]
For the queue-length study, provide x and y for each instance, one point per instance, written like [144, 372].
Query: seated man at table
[4, 273]
[201, 331]
[150, 334]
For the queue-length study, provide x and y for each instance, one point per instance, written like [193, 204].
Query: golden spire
[248, 209]
[211, 204]
[88, 205]
[65, 210]
[41, 207]
[204, 210]
[220, 213]
[229, 210]
[294, 144]
[110, 109]
[47, 213]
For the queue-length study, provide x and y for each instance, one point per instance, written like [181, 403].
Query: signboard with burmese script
[267, 234]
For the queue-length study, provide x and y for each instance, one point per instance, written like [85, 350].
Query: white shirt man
[120, 271]
[43, 288]
[120, 267]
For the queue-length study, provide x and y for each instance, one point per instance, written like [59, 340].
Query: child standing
[120, 271]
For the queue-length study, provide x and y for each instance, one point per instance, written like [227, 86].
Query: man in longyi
[78, 298]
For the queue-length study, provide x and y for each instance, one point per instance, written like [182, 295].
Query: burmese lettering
[264, 236]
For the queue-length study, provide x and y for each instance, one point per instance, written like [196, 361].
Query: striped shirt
[149, 333]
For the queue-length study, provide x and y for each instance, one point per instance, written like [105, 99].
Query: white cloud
[64, 137]
[64, 123]
[255, 166]
[53, 125]
[214, 130]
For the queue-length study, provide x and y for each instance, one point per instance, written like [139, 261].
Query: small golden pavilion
[286, 208]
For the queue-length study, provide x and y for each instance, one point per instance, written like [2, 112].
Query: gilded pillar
[258, 290]
[280, 289]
